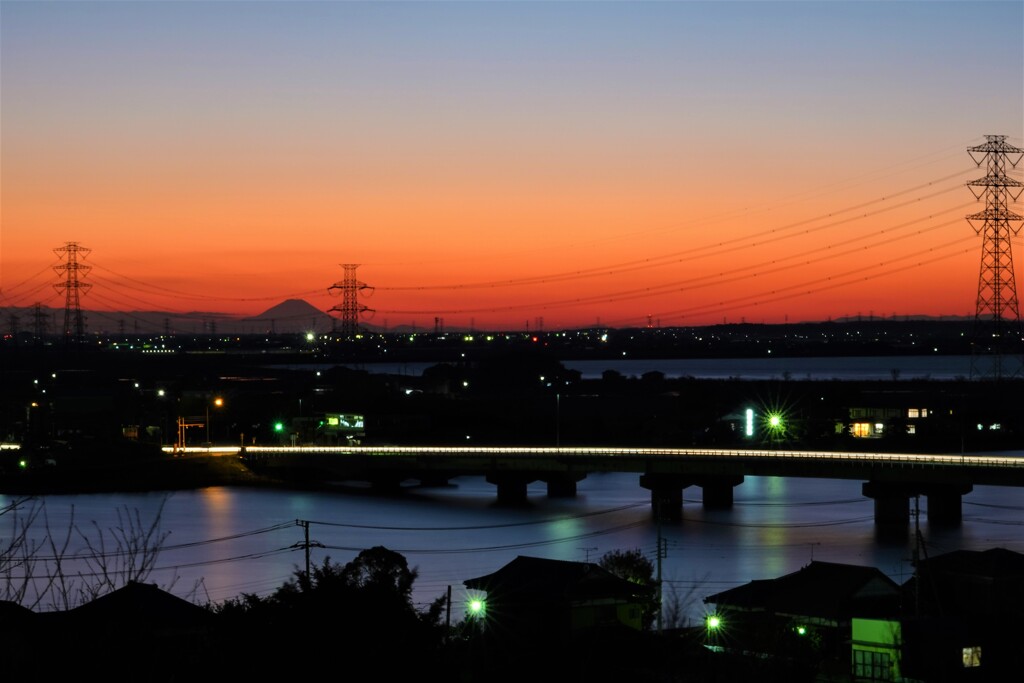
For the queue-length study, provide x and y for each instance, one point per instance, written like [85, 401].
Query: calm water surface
[223, 542]
[841, 368]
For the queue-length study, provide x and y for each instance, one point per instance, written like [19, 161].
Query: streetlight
[217, 402]
[775, 423]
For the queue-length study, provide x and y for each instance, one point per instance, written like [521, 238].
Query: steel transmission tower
[38, 323]
[351, 310]
[997, 317]
[71, 269]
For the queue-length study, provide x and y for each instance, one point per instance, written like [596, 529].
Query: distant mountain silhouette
[292, 315]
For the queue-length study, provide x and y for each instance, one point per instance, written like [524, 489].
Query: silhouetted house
[965, 624]
[19, 634]
[139, 629]
[837, 617]
[145, 607]
[137, 625]
[533, 598]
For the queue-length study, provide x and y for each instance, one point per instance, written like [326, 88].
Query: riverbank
[145, 473]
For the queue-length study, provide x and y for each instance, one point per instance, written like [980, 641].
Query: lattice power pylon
[351, 310]
[997, 316]
[71, 269]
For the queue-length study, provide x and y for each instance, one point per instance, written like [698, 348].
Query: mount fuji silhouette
[291, 315]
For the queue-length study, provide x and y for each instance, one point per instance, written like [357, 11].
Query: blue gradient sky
[228, 155]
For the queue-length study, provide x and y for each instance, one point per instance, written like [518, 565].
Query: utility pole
[306, 544]
[38, 323]
[661, 553]
[558, 420]
[448, 614]
[997, 317]
[917, 557]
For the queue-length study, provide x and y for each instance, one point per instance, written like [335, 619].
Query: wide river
[223, 542]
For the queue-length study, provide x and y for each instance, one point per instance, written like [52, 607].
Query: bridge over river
[890, 479]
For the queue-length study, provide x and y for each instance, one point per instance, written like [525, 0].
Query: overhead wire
[858, 274]
[509, 546]
[704, 280]
[774, 233]
[777, 233]
[584, 515]
[717, 278]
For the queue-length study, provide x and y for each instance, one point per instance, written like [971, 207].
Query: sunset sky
[505, 164]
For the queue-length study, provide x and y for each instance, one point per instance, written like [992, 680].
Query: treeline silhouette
[346, 620]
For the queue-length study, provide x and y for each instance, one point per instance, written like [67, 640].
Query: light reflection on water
[223, 542]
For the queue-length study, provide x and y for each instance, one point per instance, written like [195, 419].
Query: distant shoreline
[145, 474]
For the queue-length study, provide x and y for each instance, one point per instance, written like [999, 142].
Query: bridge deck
[370, 461]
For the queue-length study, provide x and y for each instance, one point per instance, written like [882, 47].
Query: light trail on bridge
[1010, 461]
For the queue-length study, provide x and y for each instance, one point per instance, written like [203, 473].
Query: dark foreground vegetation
[355, 620]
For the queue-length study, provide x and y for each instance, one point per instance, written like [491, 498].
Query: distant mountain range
[292, 316]
[288, 317]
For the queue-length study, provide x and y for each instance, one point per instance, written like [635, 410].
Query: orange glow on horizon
[501, 167]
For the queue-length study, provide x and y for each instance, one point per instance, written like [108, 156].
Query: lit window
[924, 412]
[972, 656]
[872, 666]
[911, 429]
[913, 412]
[879, 427]
[861, 429]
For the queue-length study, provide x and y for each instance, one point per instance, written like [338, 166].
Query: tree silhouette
[633, 566]
[360, 612]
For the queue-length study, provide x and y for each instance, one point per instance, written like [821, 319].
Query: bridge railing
[911, 459]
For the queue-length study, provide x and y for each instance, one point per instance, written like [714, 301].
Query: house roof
[820, 589]
[994, 563]
[142, 603]
[11, 613]
[538, 577]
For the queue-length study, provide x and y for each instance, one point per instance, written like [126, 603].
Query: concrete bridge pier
[563, 485]
[892, 502]
[435, 479]
[384, 483]
[718, 491]
[511, 486]
[945, 503]
[666, 494]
